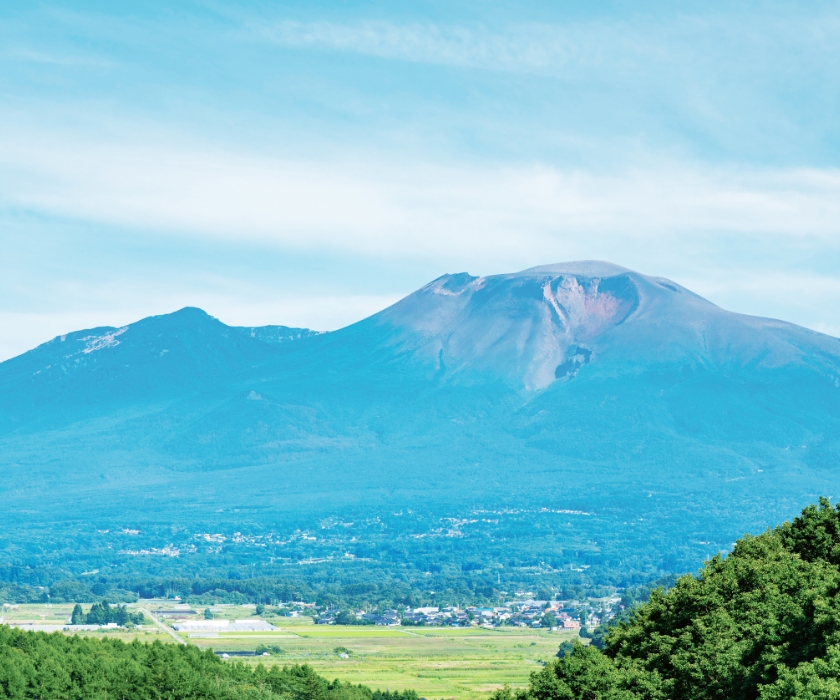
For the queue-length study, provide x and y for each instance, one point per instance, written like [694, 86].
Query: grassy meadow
[436, 662]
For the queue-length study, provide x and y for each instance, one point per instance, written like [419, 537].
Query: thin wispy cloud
[536, 49]
[568, 50]
[29, 55]
[718, 84]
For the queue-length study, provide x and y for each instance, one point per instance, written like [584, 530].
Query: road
[166, 629]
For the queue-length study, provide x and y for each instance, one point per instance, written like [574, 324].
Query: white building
[224, 626]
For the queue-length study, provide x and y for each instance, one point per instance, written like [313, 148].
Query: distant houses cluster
[562, 615]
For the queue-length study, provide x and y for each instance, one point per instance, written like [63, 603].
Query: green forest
[434, 557]
[762, 622]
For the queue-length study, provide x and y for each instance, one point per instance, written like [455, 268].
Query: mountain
[158, 358]
[579, 387]
[544, 324]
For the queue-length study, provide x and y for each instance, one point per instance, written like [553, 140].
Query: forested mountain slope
[579, 387]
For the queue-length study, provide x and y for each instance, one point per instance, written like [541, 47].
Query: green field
[46, 614]
[436, 662]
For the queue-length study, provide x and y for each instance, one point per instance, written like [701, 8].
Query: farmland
[436, 662]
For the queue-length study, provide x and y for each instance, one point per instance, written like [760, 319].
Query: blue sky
[309, 163]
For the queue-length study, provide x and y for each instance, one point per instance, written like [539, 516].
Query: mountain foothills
[579, 418]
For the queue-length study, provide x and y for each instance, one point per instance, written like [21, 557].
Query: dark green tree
[565, 649]
[137, 618]
[120, 616]
[78, 617]
[99, 614]
[346, 617]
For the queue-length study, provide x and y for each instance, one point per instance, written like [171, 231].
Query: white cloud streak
[28, 55]
[570, 49]
[433, 211]
[529, 49]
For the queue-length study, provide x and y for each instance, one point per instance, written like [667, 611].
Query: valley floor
[436, 662]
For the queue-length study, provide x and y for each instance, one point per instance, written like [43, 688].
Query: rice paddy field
[436, 662]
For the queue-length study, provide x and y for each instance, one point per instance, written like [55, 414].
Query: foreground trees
[763, 622]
